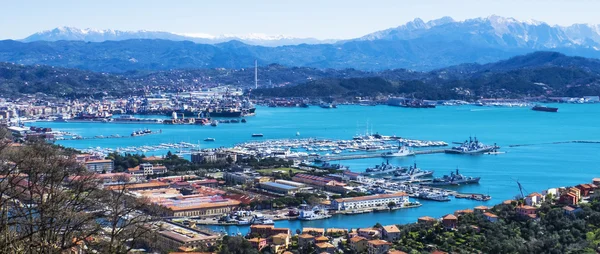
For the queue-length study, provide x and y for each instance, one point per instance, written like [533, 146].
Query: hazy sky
[302, 18]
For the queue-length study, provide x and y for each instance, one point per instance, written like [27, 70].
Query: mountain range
[534, 74]
[66, 33]
[416, 45]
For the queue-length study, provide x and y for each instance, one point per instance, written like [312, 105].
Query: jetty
[370, 155]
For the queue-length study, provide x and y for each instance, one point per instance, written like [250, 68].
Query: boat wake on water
[560, 142]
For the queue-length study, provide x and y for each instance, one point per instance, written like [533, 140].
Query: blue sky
[322, 19]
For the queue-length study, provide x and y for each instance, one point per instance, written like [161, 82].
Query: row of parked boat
[293, 148]
[179, 147]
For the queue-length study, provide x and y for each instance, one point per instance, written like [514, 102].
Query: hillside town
[237, 197]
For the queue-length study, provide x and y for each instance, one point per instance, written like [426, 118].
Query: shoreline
[215, 222]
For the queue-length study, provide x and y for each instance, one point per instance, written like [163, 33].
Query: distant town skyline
[334, 19]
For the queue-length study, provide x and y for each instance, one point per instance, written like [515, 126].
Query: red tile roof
[379, 242]
[491, 215]
[449, 217]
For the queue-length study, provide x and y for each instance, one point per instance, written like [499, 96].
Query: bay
[537, 166]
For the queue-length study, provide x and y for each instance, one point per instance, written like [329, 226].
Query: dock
[372, 155]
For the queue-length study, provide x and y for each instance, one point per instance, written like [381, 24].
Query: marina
[522, 145]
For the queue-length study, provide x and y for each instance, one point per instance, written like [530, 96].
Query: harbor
[496, 171]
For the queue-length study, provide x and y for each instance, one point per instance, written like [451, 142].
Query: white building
[146, 169]
[553, 191]
[534, 199]
[100, 166]
[369, 201]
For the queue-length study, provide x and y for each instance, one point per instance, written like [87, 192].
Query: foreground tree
[49, 204]
[47, 200]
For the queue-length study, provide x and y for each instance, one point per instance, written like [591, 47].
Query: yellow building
[280, 242]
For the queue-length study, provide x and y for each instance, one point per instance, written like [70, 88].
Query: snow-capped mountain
[97, 35]
[495, 31]
[416, 45]
[256, 39]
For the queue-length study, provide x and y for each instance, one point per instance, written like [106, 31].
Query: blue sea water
[537, 166]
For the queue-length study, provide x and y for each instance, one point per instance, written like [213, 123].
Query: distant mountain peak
[495, 31]
[440, 21]
[98, 35]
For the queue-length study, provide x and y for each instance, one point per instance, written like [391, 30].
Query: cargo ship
[452, 179]
[544, 108]
[472, 146]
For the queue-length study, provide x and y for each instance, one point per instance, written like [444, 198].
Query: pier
[371, 155]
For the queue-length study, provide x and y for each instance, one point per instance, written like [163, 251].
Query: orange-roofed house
[481, 209]
[305, 240]
[490, 217]
[378, 246]
[325, 247]
[321, 239]
[369, 233]
[336, 231]
[570, 210]
[427, 220]
[463, 212]
[258, 243]
[585, 189]
[314, 231]
[508, 202]
[526, 210]
[153, 159]
[569, 198]
[534, 199]
[268, 230]
[450, 221]
[575, 191]
[390, 233]
[396, 252]
[358, 244]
